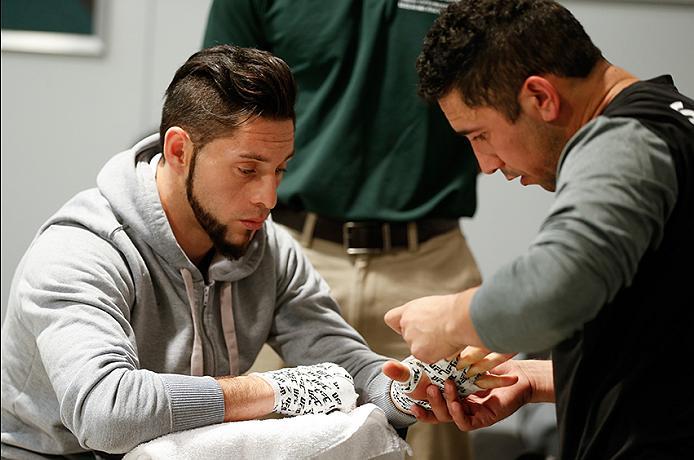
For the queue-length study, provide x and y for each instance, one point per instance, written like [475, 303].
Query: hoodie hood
[128, 183]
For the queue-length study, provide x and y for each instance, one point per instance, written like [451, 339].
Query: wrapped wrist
[317, 389]
[399, 390]
[404, 402]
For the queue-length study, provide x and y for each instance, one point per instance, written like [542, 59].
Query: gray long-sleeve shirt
[112, 335]
[616, 188]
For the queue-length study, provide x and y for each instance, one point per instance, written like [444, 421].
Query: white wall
[63, 117]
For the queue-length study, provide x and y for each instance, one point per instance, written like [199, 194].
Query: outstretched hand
[509, 386]
[468, 376]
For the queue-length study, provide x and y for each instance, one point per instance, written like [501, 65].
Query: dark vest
[621, 385]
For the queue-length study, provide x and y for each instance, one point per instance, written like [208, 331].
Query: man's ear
[539, 98]
[177, 148]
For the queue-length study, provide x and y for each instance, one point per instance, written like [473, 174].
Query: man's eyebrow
[465, 132]
[254, 156]
[261, 158]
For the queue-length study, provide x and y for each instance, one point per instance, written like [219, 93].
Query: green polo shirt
[367, 147]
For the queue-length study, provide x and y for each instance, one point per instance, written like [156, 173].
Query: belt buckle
[350, 228]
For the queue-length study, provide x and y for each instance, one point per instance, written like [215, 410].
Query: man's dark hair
[487, 48]
[220, 88]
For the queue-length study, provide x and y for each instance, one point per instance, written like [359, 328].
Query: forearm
[515, 310]
[460, 330]
[246, 397]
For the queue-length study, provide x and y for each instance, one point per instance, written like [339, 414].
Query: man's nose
[266, 193]
[489, 163]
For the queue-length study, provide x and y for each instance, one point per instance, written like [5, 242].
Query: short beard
[550, 143]
[215, 229]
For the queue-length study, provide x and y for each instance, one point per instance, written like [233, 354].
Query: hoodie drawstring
[229, 328]
[196, 356]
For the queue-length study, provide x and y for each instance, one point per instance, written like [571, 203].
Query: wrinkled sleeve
[615, 191]
[309, 329]
[75, 293]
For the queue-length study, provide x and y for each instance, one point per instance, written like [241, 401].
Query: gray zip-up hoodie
[112, 334]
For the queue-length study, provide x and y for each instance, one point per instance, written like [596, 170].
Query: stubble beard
[215, 230]
[550, 143]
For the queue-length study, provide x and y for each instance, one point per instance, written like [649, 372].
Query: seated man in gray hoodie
[141, 302]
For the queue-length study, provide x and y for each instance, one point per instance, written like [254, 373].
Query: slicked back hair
[220, 88]
[487, 48]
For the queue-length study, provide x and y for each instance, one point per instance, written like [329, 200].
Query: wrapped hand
[438, 373]
[318, 389]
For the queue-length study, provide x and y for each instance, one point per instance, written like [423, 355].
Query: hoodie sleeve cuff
[379, 394]
[195, 401]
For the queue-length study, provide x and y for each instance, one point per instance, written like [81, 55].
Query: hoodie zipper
[203, 313]
[206, 295]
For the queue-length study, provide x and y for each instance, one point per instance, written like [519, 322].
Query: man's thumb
[395, 370]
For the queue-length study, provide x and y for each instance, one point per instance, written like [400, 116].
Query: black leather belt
[363, 237]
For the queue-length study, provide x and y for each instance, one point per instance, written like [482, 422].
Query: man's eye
[246, 171]
[480, 137]
[280, 171]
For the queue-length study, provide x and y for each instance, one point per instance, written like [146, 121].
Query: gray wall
[63, 117]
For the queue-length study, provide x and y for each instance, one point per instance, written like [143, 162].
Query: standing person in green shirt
[379, 181]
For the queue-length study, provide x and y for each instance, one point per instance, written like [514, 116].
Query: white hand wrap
[438, 373]
[317, 389]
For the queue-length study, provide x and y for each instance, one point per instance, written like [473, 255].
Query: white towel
[363, 433]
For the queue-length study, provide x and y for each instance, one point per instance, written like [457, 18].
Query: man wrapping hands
[602, 283]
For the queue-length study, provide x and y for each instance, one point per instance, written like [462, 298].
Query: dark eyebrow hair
[261, 158]
[467, 132]
[254, 156]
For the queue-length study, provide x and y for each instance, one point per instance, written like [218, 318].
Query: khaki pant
[367, 286]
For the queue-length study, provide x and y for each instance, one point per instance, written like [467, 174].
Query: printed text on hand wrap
[438, 373]
[317, 389]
